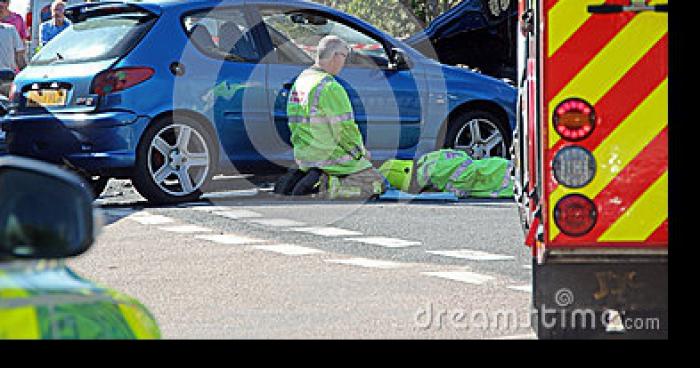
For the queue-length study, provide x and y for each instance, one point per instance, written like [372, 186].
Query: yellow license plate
[46, 97]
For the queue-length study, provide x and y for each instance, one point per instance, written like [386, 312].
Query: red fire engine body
[591, 165]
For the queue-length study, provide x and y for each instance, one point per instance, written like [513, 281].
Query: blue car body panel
[399, 112]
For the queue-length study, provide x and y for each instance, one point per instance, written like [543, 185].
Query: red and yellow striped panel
[619, 64]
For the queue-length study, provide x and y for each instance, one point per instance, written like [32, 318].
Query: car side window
[295, 35]
[222, 33]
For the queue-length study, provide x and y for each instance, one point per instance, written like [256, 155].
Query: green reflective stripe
[461, 169]
[320, 119]
[458, 192]
[317, 95]
[53, 300]
[340, 160]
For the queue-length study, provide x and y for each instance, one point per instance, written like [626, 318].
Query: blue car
[170, 93]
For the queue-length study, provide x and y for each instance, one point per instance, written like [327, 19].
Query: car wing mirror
[398, 60]
[45, 211]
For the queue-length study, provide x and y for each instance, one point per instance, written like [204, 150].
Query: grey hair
[55, 3]
[328, 46]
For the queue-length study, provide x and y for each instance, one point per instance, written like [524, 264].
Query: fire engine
[591, 165]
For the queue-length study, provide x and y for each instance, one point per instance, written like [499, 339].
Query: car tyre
[174, 160]
[479, 133]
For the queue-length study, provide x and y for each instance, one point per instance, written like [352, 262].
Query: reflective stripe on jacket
[324, 132]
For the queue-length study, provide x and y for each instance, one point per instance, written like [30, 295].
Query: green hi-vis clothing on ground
[324, 133]
[454, 171]
[46, 300]
[398, 173]
[364, 184]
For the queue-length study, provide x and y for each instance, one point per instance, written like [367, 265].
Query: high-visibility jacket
[454, 171]
[46, 300]
[324, 132]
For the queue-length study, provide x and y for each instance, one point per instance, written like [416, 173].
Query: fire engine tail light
[574, 119]
[575, 215]
[574, 166]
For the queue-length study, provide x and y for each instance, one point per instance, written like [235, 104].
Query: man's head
[4, 5]
[58, 8]
[332, 52]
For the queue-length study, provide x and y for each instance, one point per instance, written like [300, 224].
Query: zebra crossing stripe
[326, 231]
[186, 229]
[385, 242]
[462, 276]
[230, 239]
[472, 255]
[288, 249]
[365, 262]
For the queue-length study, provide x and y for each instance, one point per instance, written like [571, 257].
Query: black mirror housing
[45, 211]
[399, 60]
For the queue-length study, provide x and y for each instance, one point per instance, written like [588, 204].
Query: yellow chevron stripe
[565, 17]
[621, 147]
[643, 217]
[611, 63]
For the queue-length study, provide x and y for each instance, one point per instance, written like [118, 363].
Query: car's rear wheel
[174, 160]
[479, 133]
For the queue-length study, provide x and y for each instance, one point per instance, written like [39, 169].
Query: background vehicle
[145, 91]
[591, 152]
[34, 13]
[40, 297]
[480, 34]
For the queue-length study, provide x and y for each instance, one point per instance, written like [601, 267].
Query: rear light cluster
[115, 80]
[575, 215]
[574, 119]
[574, 166]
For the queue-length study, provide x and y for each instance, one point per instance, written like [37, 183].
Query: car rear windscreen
[96, 37]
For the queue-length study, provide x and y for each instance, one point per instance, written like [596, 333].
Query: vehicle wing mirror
[45, 211]
[398, 60]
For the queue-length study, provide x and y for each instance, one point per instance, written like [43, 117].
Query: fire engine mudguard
[624, 298]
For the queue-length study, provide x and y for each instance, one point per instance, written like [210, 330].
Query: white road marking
[326, 231]
[277, 222]
[186, 229]
[385, 242]
[463, 276]
[146, 218]
[237, 214]
[526, 288]
[230, 239]
[288, 249]
[365, 262]
[472, 255]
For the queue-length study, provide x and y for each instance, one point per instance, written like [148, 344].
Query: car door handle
[633, 7]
